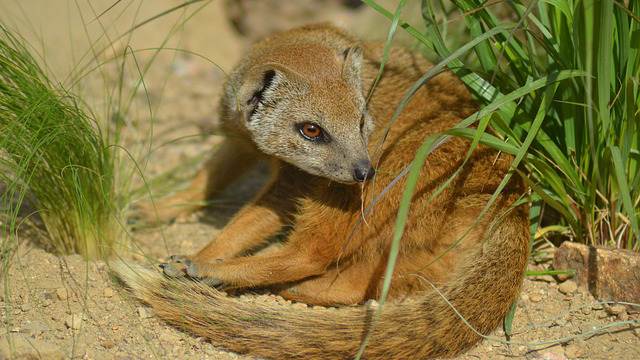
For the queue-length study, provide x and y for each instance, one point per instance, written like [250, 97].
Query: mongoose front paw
[182, 266]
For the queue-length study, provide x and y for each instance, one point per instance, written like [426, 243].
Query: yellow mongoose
[298, 100]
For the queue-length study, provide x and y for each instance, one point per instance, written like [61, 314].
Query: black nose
[363, 171]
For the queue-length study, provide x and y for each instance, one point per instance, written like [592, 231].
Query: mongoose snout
[363, 170]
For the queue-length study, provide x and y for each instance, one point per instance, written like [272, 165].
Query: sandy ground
[66, 307]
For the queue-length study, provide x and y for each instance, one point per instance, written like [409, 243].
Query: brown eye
[311, 130]
[361, 122]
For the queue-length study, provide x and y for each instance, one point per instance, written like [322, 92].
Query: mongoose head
[303, 103]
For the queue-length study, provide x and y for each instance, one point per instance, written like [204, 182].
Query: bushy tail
[416, 329]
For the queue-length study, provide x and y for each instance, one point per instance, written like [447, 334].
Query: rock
[535, 298]
[609, 274]
[616, 309]
[108, 292]
[61, 294]
[107, 344]
[588, 328]
[27, 348]
[372, 304]
[560, 322]
[568, 287]
[623, 316]
[145, 312]
[575, 350]
[74, 321]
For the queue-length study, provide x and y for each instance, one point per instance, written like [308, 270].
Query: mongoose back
[298, 101]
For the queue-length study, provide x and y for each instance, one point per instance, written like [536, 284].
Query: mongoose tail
[489, 280]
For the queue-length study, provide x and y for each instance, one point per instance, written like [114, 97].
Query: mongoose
[298, 101]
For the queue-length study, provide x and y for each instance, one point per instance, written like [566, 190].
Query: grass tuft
[53, 154]
[583, 161]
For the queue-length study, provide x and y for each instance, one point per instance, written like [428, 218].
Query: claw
[212, 282]
[169, 270]
[192, 270]
[178, 259]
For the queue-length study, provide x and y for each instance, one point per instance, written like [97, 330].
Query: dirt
[67, 307]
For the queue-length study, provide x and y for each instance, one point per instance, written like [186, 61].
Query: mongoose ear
[352, 68]
[255, 85]
[265, 83]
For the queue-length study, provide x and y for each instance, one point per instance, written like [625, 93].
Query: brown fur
[324, 260]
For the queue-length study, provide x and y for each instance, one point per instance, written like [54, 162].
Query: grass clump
[585, 120]
[53, 154]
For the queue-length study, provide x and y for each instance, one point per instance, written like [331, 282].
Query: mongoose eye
[361, 122]
[311, 131]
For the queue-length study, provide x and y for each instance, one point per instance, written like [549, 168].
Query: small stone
[270, 300]
[524, 297]
[61, 294]
[107, 344]
[586, 310]
[319, 308]
[616, 309]
[300, 306]
[587, 328]
[535, 298]
[560, 322]
[145, 312]
[610, 273]
[108, 292]
[372, 304]
[568, 287]
[167, 337]
[623, 316]
[575, 351]
[74, 321]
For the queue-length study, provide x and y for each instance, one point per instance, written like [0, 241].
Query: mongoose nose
[363, 171]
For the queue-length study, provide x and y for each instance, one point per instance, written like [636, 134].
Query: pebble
[586, 310]
[616, 309]
[575, 350]
[299, 306]
[568, 287]
[372, 304]
[535, 298]
[61, 294]
[623, 316]
[560, 322]
[107, 344]
[108, 292]
[167, 337]
[597, 306]
[145, 312]
[74, 321]
[585, 328]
